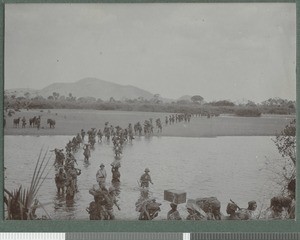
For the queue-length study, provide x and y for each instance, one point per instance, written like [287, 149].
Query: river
[238, 168]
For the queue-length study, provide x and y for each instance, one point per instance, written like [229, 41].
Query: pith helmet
[102, 165]
[147, 170]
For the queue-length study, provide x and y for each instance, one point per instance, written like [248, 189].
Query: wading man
[101, 174]
[145, 178]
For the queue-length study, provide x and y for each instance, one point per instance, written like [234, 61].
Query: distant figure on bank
[23, 122]
[145, 178]
[101, 174]
[173, 214]
[38, 122]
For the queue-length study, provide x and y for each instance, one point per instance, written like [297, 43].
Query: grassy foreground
[71, 121]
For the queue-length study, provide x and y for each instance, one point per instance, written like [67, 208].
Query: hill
[92, 87]
[88, 87]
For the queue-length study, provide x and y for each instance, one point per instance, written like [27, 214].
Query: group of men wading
[281, 207]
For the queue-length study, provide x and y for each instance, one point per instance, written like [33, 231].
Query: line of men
[66, 177]
[104, 199]
[171, 119]
[281, 208]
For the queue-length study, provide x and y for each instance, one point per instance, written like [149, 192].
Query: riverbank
[71, 121]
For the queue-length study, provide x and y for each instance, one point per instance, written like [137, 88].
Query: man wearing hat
[173, 214]
[145, 178]
[101, 174]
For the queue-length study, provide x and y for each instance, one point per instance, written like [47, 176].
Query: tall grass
[21, 202]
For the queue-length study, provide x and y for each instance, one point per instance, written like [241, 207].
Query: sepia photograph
[153, 111]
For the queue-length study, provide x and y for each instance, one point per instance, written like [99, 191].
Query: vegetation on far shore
[285, 142]
[196, 105]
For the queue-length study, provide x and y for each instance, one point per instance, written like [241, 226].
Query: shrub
[248, 112]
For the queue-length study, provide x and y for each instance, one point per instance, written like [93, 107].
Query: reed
[21, 204]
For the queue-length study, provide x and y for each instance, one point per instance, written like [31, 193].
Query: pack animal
[16, 122]
[51, 123]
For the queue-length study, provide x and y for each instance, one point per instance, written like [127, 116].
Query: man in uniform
[101, 174]
[145, 178]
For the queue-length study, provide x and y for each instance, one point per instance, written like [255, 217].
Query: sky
[221, 51]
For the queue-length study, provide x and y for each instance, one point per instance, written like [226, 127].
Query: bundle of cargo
[148, 208]
[195, 212]
[175, 196]
[211, 206]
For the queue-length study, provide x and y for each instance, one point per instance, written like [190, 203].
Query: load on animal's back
[51, 122]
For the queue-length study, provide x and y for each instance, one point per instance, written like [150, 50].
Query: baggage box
[175, 196]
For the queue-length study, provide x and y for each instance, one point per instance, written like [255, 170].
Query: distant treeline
[270, 106]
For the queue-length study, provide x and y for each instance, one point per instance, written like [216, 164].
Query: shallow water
[224, 167]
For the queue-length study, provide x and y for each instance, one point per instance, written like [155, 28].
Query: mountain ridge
[89, 87]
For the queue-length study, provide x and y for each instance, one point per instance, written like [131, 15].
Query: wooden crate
[175, 196]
